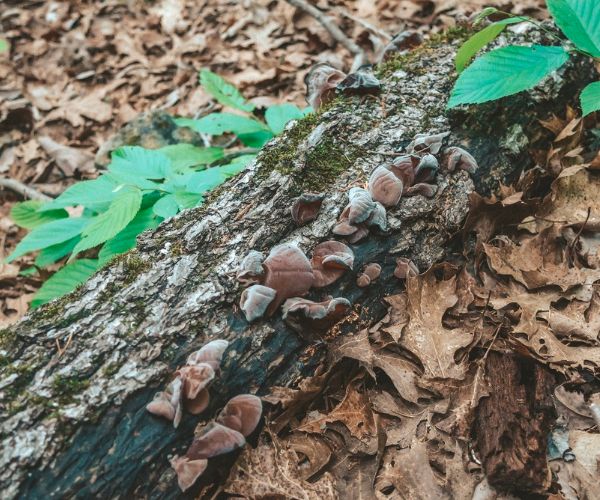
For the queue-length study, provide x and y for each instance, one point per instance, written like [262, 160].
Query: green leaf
[166, 207]
[64, 281]
[121, 212]
[480, 40]
[590, 98]
[123, 178]
[223, 91]
[504, 72]
[184, 156]
[279, 115]
[219, 123]
[25, 214]
[488, 11]
[127, 238]
[49, 234]
[205, 180]
[188, 200]
[141, 162]
[4, 45]
[95, 195]
[257, 139]
[237, 165]
[54, 253]
[580, 22]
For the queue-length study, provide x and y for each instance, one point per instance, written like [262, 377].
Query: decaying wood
[74, 422]
[511, 427]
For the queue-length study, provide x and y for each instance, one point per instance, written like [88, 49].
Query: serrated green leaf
[579, 20]
[590, 98]
[219, 123]
[4, 45]
[127, 238]
[504, 72]
[49, 234]
[103, 227]
[205, 180]
[279, 115]
[223, 91]
[65, 280]
[257, 139]
[25, 214]
[184, 156]
[123, 178]
[140, 162]
[95, 195]
[166, 207]
[480, 40]
[188, 200]
[54, 253]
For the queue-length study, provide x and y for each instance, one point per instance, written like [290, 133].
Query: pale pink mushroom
[385, 187]
[369, 274]
[255, 301]
[242, 413]
[427, 143]
[251, 269]
[361, 205]
[304, 315]
[214, 439]
[188, 471]
[306, 207]
[455, 157]
[405, 268]
[288, 272]
[330, 260]
[427, 168]
[404, 168]
[167, 403]
[321, 82]
[210, 353]
[196, 379]
[378, 217]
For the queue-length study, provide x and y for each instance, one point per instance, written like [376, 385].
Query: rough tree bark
[75, 425]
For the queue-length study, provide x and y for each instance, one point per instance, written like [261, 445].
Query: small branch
[368, 26]
[22, 189]
[329, 24]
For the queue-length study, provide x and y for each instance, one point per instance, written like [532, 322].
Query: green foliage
[140, 189]
[4, 45]
[590, 98]
[512, 69]
[504, 72]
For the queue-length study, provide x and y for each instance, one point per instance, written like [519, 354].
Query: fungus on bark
[211, 353]
[385, 187]
[427, 168]
[330, 260]
[242, 413]
[255, 301]
[188, 471]
[251, 269]
[455, 157]
[401, 42]
[405, 268]
[378, 217]
[370, 273]
[361, 82]
[423, 188]
[306, 207]
[305, 316]
[288, 272]
[321, 82]
[427, 143]
[360, 205]
[167, 403]
[404, 168]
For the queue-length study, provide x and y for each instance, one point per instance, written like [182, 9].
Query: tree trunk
[75, 425]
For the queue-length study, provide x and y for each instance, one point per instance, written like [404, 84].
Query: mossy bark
[76, 374]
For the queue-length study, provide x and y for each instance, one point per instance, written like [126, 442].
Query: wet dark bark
[74, 425]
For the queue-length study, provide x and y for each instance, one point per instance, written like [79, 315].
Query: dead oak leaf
[354, 412]
[425, 336]
[270, 471]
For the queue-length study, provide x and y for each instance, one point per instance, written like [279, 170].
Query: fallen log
[78, 373]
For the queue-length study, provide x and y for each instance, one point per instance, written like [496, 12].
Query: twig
[329, 24]
[22, 189]
[368, 26]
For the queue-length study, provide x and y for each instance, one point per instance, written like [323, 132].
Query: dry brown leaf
[571, 406]
[69, 160]
[354, 412]
[313, 448]
[271, 470]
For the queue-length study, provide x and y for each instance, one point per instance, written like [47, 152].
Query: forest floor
[78, 71]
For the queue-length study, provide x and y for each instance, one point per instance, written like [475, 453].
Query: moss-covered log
[77, 373]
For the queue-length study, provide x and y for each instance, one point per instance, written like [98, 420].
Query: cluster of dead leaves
[392, 415]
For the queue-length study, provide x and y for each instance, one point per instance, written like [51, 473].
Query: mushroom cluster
[286, 274]
[189, 387]
[228, 432]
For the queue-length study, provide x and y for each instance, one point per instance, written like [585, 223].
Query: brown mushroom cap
[405, 268]
[361, 205]
[210, 353]
[306, 207]
[430, 143]
[251, 269]
[199, 403]
[242, 413]
[329, 262]
[188, 471]
[167, 403]
[427, 168]
[195, 378]
[214, 439]
[361, 232]
[320, 82]
[288, 272]
[256, 300]
[305, 315]
[455, 157]
[385, 187]
[378, 217]
[404, 167]
[344, 228]
[423, 188]
[370, 273]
